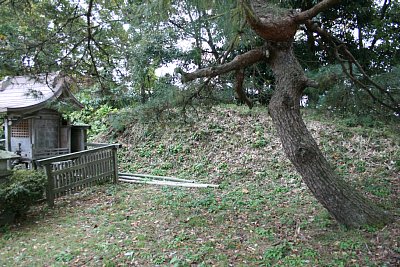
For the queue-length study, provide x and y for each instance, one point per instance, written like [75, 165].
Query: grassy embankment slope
[262, 214]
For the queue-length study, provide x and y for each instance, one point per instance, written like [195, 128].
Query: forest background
[115, 52]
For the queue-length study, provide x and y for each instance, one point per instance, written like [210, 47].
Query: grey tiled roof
[24, 92]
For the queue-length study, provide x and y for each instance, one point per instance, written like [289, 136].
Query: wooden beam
[168, 183]
[156, 177]
[72, 155]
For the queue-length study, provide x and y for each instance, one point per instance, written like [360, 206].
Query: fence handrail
[89, 144]
[73, 155]
[71, 172]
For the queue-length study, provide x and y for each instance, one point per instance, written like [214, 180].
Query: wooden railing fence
[49, 152]
[67, 174]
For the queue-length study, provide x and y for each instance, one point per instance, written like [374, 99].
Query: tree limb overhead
[239, 62]
[315, 10]
[277, 24]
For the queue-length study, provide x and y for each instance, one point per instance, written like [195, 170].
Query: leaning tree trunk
[278, 28]
[348, 206]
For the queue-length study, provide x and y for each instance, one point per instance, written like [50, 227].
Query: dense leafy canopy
[116, 47]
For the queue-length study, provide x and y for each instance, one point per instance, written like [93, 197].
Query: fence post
[50, 185]
[115, 163]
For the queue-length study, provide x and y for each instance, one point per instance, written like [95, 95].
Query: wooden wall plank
[70, 173]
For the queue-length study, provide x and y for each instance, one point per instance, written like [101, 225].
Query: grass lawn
[262, 214]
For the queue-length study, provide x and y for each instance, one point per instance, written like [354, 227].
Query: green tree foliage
[116, 46]
[369, 31]
[339, 95]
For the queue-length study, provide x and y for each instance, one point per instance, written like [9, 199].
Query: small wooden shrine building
[33, 125]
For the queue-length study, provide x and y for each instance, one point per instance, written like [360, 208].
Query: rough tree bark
[348, 206]
[344, 203]
[240, 93]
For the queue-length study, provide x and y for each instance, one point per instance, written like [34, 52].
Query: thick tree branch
[269, 23]
[315, 10]
[325, 35]
[239, 62]
[279, 25]
[239, 88]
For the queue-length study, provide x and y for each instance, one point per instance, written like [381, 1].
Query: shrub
[22, 189]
